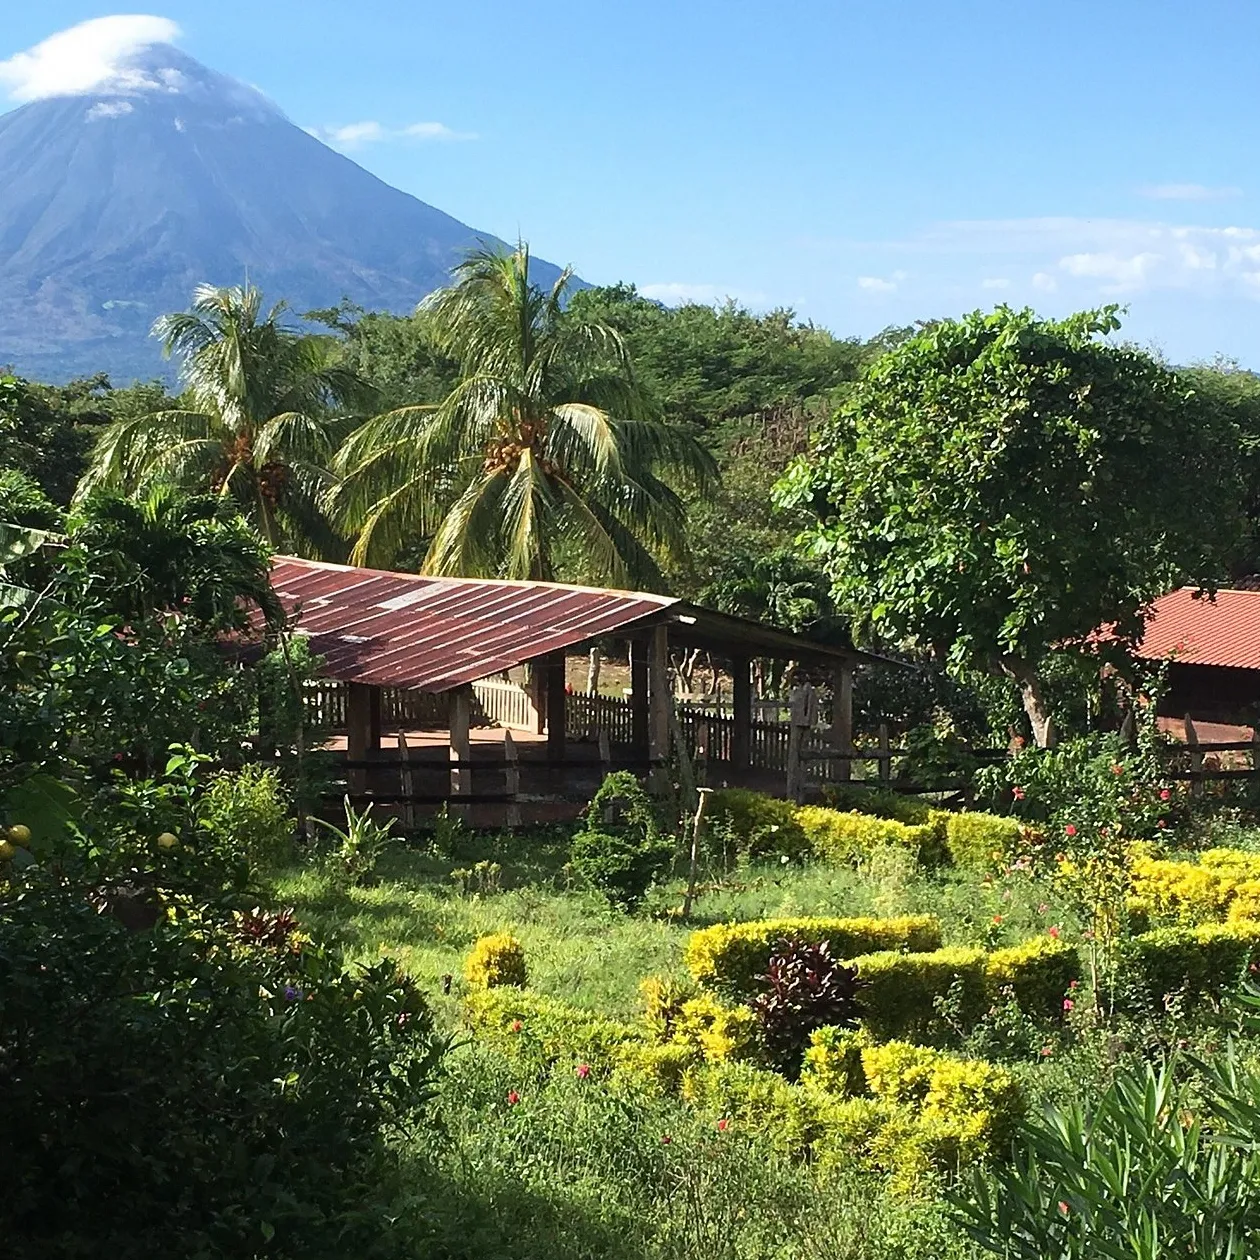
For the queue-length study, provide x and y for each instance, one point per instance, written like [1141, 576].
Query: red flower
[1053, 933]
[516, 1025]
[997, 918]
[666, 1139]
[1161, 823]
[1069, 830]
[513, 1098]
[723, 1125]
[1046, 1051]
[1117, 769]
[1068, 1004]
[583, 1070]
[1165, 795]
[1017, 793]
[1072, 984]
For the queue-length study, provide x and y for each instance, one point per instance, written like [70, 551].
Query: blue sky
[863, 164]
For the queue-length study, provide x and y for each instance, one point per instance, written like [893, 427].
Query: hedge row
[1195, 963]
[1224, 884]
[905, 1110]
[761, 825]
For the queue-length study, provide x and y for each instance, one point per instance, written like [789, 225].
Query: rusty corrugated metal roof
[1195, 629]
[431, 634]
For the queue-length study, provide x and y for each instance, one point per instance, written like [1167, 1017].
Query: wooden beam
[461, 748]
[660, 706]
[842, 717]
[557, 736]
[639, 697]
[741, 701]
[359, 730]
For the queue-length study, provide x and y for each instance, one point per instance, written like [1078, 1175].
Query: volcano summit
[147, 173]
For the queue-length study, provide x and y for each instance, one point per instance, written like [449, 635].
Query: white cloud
[352, 135]
[92, 57]
[995, 282]
[1045, 282]
[877, 284]
[108, 109]
[1188, 192]
[1120, 273]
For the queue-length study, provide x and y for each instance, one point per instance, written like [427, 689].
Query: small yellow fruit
[20, 835]
[167, 841]
[7, 850]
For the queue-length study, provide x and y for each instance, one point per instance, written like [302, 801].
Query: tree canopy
[1001, 483]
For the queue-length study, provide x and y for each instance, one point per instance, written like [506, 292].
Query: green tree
[1001, 484]
[542, 458]
[264, 408]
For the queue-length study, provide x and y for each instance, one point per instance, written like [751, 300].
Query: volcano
[116, 204]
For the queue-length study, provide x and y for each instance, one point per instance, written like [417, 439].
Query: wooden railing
[506, 703]
[587, 716]
[326, 705]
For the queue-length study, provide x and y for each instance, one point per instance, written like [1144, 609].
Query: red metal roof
[431, 634]
[1196, 629]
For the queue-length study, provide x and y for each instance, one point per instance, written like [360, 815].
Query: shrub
[1204, 962]
[496, 960]
[720, 1033]
[623, 855]
[729, 956]
[181, 1089]
[663, 998]
[1190, 893]
[804, 988]
[658, 1069]
[980, 842]
[761, 826]
[902, 993]
[878, 802]
[246, 813]
[524, 1024]
[833, 1061]
[1037, 973]
[854, 837]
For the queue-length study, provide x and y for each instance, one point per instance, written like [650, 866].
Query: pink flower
[1017, 793]
[1165, 795]
[1063, 1207]
[1043, 908]
[1068, 1004]
[1072, 984]
[584, 1070]
[1117, 769]
[723, 1124]
[1069, 830]
[513, 1098]
[1053, 933]
[666, 1139]
[1161, 823]
[1046, 1051]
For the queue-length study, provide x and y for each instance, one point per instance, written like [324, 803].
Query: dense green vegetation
[866, 1027]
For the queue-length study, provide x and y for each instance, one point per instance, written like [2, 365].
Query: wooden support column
[639, 698]
[660, 708]
[842, 717]
[362, 702]
[741, 701]
[553, 683]
[511, 780]
[461, 747]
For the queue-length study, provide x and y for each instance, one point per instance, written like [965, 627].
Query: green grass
[581, 950]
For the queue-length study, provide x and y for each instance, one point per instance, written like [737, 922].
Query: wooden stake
[512, 779]
[696, 824]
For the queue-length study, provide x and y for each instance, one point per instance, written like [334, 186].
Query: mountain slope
[113, 206]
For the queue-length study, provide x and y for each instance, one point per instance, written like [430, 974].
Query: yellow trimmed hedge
[496, 960]
[853, 837]
[976, 841]
[1205, 962]
[728, 956]
[901, 992]
[524, 1024]
[1222, 884]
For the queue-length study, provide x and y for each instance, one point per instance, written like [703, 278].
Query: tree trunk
[592, 670]
[1039, 715]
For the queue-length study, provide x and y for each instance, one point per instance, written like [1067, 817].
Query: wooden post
[842, 718]
[553, 675]
[592, 671]
[660, 706]
[639, 737]
[1196, 757]
[696, 824]
[461, 747]
[702, 750]
[605, 753]
[512, 779]
[358, 732]
[795, 786]
[741, 713]
[407, 781]
[885, 755]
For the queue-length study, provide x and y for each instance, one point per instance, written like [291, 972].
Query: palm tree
[541, 457]
[258, 423]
